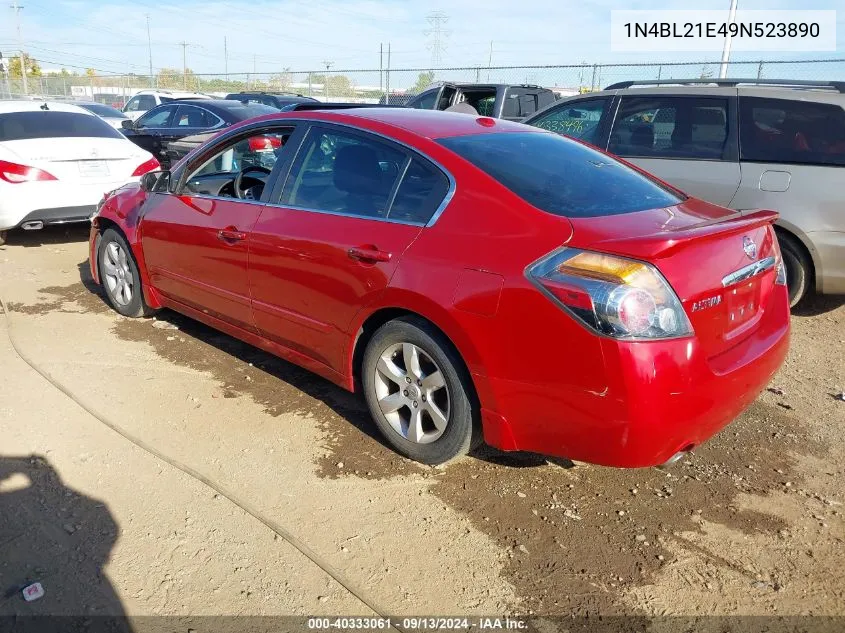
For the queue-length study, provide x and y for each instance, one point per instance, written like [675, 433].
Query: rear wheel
[119, 276]
[418, 392]
[798, 268]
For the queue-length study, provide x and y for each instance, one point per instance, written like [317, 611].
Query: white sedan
[56, 162]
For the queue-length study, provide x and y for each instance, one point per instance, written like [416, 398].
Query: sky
[271, 35]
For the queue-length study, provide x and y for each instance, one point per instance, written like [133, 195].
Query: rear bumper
[660, 398]
[60, 215]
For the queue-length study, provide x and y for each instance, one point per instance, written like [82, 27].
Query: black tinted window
[670, 127]
[786, 131]
[18, 126]
[425, 101]
[192, 116]
[520, 103]
[559, 175]
[249, 110]
[343, 173]
[420, 193]
[579, 120]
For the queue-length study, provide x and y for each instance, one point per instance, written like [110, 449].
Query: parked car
[276, 100]
[741, 143]
[501, 101]
[56, 160]
[110, 115]
[146, 100]
[175, 120]
[468, 275]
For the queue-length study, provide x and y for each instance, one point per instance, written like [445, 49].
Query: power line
[438, 35]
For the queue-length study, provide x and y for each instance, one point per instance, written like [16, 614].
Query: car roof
[431, 124]
[281, 96]
[37, 106]
[175, 94]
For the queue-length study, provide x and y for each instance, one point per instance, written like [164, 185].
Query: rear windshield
[21, 126]
[559, 175]
[244, 111]
[103, 110]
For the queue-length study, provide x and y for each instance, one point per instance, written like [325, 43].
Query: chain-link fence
[372, 86]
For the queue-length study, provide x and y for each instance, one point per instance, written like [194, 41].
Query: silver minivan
[741, 143]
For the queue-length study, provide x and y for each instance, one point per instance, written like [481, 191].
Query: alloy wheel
[412, 393]
[117, 274]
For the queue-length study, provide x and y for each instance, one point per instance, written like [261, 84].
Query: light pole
[726, 51]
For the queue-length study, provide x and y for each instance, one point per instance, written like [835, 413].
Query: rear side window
[670, 127]
[520, 103]
[420, 193]
[579, 120]
[561, 176]
[20, 126]
[426, 100]
[786, 131]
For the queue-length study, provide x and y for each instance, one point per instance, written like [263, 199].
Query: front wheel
[119, 276]
[418, 392]
[3, 235]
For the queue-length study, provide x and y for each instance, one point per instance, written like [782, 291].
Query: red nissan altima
[474, 278]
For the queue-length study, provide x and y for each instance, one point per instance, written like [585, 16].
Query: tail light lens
[15, 174]
[259, 143]
[614, 296]
[143, 168]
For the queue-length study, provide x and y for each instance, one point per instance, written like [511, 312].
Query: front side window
[787, 131]
[157, 118]
[146, 102]
[670, 127]
[134, 105]
[579, 120]
[344, 173]
[561, 176]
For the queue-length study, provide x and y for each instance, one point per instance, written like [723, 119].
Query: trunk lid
[82, 160]
[721, 263]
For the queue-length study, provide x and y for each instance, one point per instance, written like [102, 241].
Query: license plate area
[93, 168]
[742, 303]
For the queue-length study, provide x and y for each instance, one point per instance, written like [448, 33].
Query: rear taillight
[259, 143]
[143, 168]
[15, 174]
[615, 296]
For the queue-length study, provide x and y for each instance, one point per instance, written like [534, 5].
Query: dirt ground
[242, 453]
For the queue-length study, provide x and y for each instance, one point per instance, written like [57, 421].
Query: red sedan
[475, 278]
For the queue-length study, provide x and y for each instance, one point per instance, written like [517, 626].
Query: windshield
[19, 126]
[559, 175]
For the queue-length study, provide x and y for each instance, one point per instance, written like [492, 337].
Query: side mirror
[127, 124]
[155, 180]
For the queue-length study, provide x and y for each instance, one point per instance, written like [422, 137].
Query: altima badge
[749, 247]
[709, 302]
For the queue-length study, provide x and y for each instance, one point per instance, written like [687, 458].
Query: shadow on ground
[54, 535]
[55, 234]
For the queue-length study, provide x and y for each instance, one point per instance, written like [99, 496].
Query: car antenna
[44, 106]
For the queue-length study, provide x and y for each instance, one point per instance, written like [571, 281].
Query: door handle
[230, 234]
[366, 254]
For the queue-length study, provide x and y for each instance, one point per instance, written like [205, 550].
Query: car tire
[798, 269]
[120, 277]
[427, 413]
[3, 235]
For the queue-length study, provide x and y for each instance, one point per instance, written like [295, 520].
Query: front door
[351, 206]
[151, 127]
[196, 240]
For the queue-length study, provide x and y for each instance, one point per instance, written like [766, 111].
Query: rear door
[352, 204]
[196, 240]
[688, 141]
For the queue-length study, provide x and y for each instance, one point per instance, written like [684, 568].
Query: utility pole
[184, 46]
[150, 51]
[438, 34]
[17, 9]
[490, 60]
[328, 65]
[226, 56]
[726, 51]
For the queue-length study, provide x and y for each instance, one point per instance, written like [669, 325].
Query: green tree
[32, 67]
[424, 80]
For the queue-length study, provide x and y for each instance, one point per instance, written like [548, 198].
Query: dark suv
[273, 99]
[501, 101]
